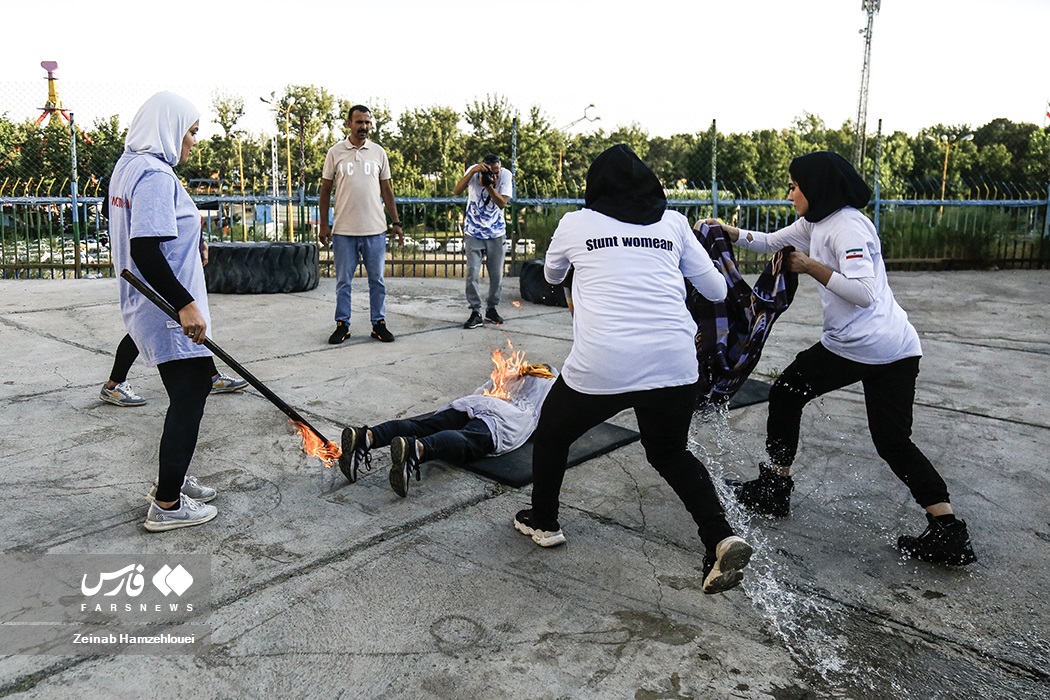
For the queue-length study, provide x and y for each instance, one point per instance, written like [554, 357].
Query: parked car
[454, 245]
[525, 246]
[429, 244]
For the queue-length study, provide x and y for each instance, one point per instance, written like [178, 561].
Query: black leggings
[127, 353]
[188, 383]
[663, 417]
[889, 392]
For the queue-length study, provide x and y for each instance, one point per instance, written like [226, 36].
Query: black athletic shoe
[355, 452]
[403, 462]
[769, 494]
[492, 316]
[341, 333]
[543, 534]
[381, 333]
[940, 543]
[474, 321]
[722, 567]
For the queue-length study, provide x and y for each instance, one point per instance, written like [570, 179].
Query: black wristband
[397, 223]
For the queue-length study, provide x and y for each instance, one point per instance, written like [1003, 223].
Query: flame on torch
[327, 452]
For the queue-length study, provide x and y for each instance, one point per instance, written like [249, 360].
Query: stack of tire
[261, 267]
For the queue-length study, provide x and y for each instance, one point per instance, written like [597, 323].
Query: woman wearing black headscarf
[632, 348]
[867, 338]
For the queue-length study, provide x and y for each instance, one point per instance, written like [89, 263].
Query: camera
[487, 178]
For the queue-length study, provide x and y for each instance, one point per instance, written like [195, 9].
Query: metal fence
[51, 237]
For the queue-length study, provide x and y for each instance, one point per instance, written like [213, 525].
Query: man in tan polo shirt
[360, 171]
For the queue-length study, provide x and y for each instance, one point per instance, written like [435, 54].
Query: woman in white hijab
[155, 233]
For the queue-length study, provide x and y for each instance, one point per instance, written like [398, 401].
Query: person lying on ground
[496, 419]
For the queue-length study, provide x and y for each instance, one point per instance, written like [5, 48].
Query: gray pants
[492, 249]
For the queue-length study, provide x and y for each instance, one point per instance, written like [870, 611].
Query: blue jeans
[348, 251]
[492, 249]
[450, 435]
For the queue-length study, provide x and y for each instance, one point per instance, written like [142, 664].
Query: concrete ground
[323, 589]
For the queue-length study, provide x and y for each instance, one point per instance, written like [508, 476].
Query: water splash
[802, 623]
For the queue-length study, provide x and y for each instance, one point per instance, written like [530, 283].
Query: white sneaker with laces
[225, 384]
[191, 487]
[121, 395]
[188, 514]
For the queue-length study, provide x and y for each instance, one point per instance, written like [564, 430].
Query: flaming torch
[314, 443]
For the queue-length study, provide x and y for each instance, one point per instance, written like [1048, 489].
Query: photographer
[489, 188]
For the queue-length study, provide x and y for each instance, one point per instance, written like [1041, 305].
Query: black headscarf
[621, 186]
[828, 182]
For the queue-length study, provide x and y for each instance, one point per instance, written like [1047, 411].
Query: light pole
[586, 117]
[949, 141]
[287, 111]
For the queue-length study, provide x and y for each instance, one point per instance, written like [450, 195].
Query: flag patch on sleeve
[854, 253]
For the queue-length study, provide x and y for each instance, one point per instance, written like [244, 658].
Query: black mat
[515, 468]
[752, 392]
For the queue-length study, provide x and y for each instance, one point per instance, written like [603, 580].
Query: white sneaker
[121, 395]
[188, 514]
[225, 384]
[191, 487]
[722, 567]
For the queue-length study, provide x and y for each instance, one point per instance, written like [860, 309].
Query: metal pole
[714, 170]
[288, 167]
[73, 194]
[222, 354]
[878, 176]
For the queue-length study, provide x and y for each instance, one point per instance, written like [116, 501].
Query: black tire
[261, 268]
[535, 288]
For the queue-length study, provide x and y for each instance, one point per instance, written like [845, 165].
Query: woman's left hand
[204, 253]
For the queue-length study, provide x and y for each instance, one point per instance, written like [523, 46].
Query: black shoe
[940, 543]
[492, 316]
[474, 321]
[403, 462]
[355, 452]
[381, 333]
[543, 534]
[769, 494]
[722, 567]
[341, 333]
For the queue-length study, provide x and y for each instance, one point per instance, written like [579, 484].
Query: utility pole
[871, 7]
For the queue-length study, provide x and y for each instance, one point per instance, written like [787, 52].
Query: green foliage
[431, 146]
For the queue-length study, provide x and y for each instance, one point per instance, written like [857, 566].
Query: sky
[671, 66]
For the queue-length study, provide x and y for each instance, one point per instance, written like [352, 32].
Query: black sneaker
[492, 316]
[381, 333]
[543, 534]
[474, 321]
[940, 543]
[722, 567]
[403, 461]
[769, 494]
[355, 452]
[341, 333]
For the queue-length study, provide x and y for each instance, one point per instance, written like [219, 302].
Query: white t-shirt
[847, 242]
[631, 328]
[146, 200]
[512, 421]
[484, 218]
[356, 173]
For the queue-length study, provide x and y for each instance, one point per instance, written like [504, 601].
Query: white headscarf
[160, 125]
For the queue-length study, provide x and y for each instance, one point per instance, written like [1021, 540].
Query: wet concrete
[326, 589]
